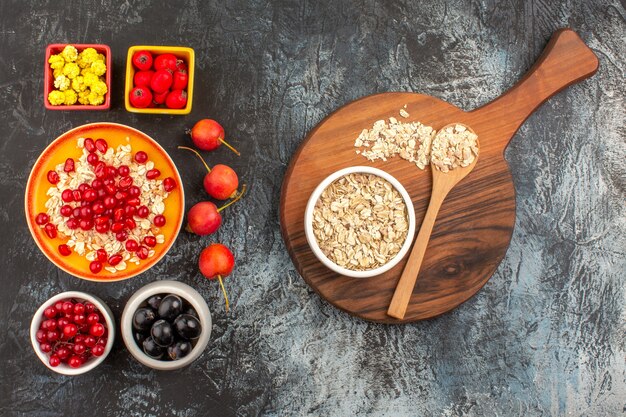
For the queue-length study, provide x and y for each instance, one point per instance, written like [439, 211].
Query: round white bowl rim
[63, 368]
[190, 295]
[308, 221]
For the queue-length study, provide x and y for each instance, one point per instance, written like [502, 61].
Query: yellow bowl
[181, 52]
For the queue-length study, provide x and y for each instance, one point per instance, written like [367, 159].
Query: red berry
[90, 307]
[93, 318]
[169, 184]
[131, 245]
[70, 330]
[95, 267]
[45, 347]
[41, 219]
[110, 189]
[142, 60]
[79, 318]
[150, 241]
[50, 312]
[64, 250]
[115, 259]
[92, 159]
[181, 78]
[118, 213]
[141, 157]
[102, 145]
[98, 207]
[62, 322]
[67, 196]
[140, 97]
[69, 165]
[165, 62]
[41, 336]
[102, 341]
[143, 211]
[121, 236]
[101, 255]
[159, 98]
[121, 196]
[97, 350]
[159, 221]
[142, 252]
[86, 212]
[90, 341]
[54, 361]
[79, 308]
[51, 230]
[176, 99]
[96, 330]
[142, 78]
[63, 352]
[152, 174]
[52, 335]
[79, 348]
[68, 307]
[75, 361]
[53, 177]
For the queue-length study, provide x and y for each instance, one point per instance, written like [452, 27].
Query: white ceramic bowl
[64, 368]
[308, 222]
[188, 294]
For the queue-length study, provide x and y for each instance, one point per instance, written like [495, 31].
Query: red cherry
[67, 196]
[51, 230]
[159, 221]
[169, 184]
[102, 145]
[131, 245]
[101, 255]
[64, 250]
[143, 212]
[92, 159]
[150, 241]
[90, 145]
[152, 174]
[141, 157]
[115, 259]
[52, 177]
[41, 219]
[69, 165]
[95, 267]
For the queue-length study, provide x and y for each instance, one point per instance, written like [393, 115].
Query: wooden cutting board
[474, 226]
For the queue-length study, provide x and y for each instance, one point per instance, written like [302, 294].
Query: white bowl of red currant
[72, 332]
[166, 325]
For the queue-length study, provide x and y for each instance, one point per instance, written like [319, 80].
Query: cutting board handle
[565, 60]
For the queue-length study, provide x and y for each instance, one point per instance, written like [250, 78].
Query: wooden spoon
[443, 182]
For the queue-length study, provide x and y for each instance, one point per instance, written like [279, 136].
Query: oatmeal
[453, 147]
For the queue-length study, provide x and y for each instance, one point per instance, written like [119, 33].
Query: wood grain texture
[476, 220]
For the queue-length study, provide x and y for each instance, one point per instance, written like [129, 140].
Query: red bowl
[48, 85]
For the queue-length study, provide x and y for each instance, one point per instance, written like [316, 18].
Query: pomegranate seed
[67, 196]
[110, 202]
[101, 193]
[90, 195]
[102, 228]
[134, 201]
[96, 330]
[102, 145]
[90, 145]
[64, 250]
[123, 170]
[50, 312]
[100, 170]
[51, 230]
[110, 189]
[121, 195]
[134, 191]
[86, 212]
[86, 224]
[96, 184]
[152, 174]
[72, 223]
[141, 157]
[53, 177]
[41, 219]
[169, 184]
[108, 181]
[92, 159]
[101, 220]
[129, 211]
[95, 266]
[118, 214]
[111, 172]
[90, 341]
[45, 347]
[130, 224]
[142, 252]
[114, 260]
[121, 236]
[75, 361]
[125, 182]
[83, 187]
[76, 212]
[143, 212]
[159, 221]
[97, 350]
[77, 195]
[66, 210]
[98, 207]
[131, 245]
[150, 241]
[102, 255]
[117, 227]
[69, 165]
[54, 361]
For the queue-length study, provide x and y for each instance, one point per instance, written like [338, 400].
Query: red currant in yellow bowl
[104, 202]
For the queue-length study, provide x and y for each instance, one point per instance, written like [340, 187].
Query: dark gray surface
[545, 337]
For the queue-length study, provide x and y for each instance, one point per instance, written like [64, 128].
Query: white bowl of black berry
[166, 325]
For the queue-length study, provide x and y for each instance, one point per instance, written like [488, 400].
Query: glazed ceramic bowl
[138, 300]
[48, 84]
[64, 368]
[181, 52]
[65, 146]
[308, 222]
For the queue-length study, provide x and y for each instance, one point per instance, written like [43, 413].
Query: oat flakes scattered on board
[360, 221]
[454, 147]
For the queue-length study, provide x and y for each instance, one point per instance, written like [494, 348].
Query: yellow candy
[62, 82]
[99, 88]
[78, 84]
[56, 97]
[90, 78]
[95, 99]
[70, 53]
[101, 58]
[89, 55]
[57, 72]
[56, 62]
[71, 70]
[83, 96]
[98, 67]
[70, 97]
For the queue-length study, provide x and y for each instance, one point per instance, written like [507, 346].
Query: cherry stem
[229, 147]
[198, 155]
[234, 200]
[219, 278]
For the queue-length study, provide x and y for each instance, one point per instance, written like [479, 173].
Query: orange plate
[64, 147]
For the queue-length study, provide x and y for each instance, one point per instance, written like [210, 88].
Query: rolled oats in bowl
[360, 221]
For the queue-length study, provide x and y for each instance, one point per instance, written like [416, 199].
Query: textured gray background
[545, 337]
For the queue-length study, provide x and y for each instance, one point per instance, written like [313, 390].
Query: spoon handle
[404, 289]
